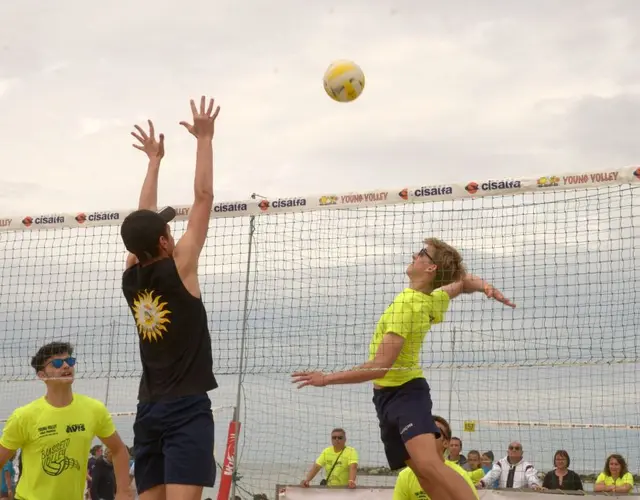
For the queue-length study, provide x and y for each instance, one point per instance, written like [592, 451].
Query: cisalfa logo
[637, 172]
[404, 194]
[27, 221]
[81, 218]
[264, 205]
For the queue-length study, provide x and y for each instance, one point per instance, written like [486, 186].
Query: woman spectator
[615, 477]
[487, 460]
[562, 478]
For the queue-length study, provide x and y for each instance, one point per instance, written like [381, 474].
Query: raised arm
[187, 251]
[471, 284]
[154, 149]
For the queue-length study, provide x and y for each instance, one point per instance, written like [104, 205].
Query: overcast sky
[456, 90]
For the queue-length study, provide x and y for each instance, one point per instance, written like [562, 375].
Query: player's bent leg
[437, 480]
[155, 493]
[183, 492]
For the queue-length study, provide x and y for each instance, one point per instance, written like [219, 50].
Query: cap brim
[167, 214]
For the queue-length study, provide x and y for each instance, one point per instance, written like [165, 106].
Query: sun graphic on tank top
[151, 315]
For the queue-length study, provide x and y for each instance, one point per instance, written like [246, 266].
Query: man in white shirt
[512, 471]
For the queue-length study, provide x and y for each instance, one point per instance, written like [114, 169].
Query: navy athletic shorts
[404, 412]
[173, 443]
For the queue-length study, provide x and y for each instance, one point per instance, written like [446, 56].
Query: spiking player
[173, 430]
[401, 394]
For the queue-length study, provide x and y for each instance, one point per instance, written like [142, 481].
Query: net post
[229, 472]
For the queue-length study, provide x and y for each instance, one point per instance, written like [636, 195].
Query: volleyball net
[299, 283]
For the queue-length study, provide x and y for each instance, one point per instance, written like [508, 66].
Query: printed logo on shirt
[151, 315]
[55, 460]
[48, 430]
[75, 428]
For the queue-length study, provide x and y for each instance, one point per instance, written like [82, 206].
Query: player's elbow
[204, 194]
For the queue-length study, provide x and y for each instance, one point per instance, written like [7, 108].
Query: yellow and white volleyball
[344, 81]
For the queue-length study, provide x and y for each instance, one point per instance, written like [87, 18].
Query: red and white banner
[300, 493]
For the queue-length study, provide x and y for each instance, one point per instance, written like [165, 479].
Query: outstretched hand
[494, 293]
[148, 143]
[303, 379]
[203, 120]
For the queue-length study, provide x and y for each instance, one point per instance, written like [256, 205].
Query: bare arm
[315, 468]
[190, 246]
[5, 455]
[149, 193]
[471, 284]
[353, 470]
[386, 355]
[120, 456]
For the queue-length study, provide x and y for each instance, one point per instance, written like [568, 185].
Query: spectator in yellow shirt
[339, 461]
[407, 485]
[615, 477]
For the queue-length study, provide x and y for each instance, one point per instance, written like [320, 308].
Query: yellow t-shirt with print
[340, 474]
[609, 481]
[408, 488]
[55, 445]
[410, 315]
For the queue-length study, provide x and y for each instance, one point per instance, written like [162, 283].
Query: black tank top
[175, 344]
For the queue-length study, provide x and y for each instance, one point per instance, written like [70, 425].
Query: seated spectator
[615, 477]
[512, 471]
[339, 461]
[562, 478]
[455, 452]
[487, 460]
[473, 466]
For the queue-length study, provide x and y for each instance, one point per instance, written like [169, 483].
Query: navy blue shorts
[173, 443]
[404, 412]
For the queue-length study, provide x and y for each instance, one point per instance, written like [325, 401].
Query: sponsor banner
[330, 201]
[364, 493]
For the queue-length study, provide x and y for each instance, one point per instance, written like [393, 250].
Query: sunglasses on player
[58, 363]
[423, 252]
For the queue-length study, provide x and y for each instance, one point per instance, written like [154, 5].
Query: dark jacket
[103, 481]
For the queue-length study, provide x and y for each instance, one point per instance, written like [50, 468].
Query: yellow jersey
[408, 488]
[340, 474]
[410, 316]
[609, 481]
[55, 445]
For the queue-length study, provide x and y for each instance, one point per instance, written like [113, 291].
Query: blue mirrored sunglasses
[57, 363]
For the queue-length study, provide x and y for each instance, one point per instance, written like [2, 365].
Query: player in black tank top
[175, 345]
[174, 429]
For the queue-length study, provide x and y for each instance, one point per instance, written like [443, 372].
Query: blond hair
[449, 261]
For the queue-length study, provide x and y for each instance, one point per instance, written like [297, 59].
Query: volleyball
[344, 81]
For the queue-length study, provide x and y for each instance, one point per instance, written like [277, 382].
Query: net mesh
[558, 372]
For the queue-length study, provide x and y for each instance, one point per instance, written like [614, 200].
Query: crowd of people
[340, 464]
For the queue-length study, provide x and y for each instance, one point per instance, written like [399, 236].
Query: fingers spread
[194, 110]
[142, 132]
[137, 137]
[202, 103]
[152, 131]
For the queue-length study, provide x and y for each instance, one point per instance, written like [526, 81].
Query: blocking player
[401, 394]
[407, 486]
[173, 430]
[55, 433]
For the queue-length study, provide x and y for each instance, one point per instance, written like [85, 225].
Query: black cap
[142, 229]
